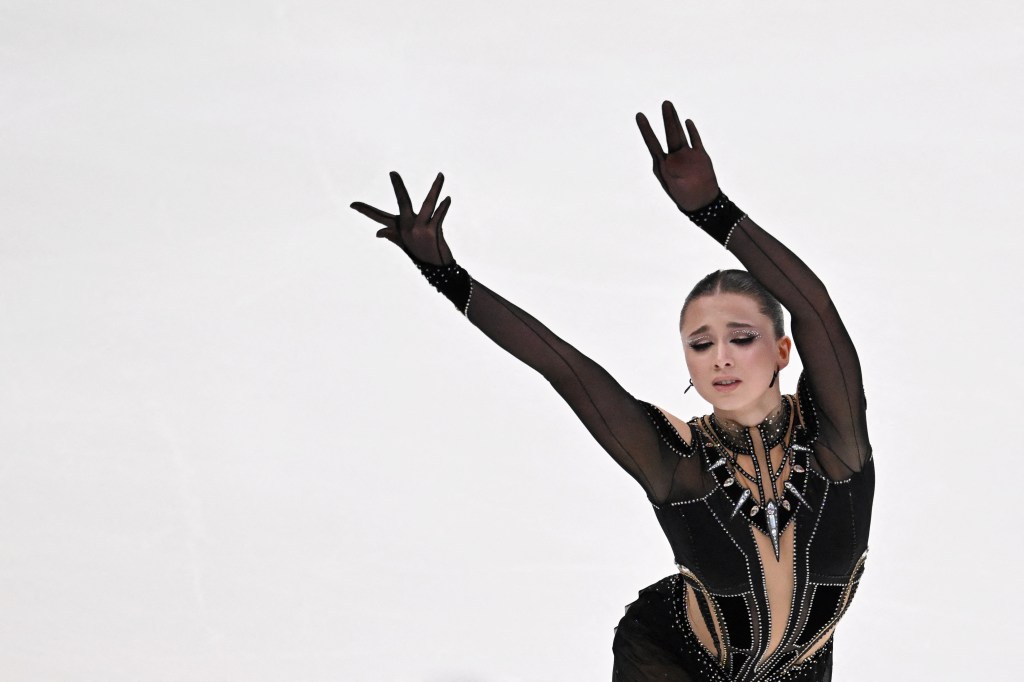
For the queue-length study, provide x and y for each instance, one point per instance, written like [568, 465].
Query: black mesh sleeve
[623, 425]
[831, 367]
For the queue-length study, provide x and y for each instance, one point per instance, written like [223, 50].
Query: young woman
[766, 502]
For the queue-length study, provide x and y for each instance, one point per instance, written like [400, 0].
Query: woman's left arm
[831, 366]
[830, 360]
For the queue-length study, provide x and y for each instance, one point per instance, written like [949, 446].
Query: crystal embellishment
[796, 493]
[717, 464]
[743, 498]
[772, 513]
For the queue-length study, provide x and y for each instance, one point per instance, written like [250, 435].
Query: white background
[241, 439]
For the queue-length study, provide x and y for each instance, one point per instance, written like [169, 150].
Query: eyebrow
[731, 325]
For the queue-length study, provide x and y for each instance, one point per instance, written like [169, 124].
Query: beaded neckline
[736, 436]
[769, 513]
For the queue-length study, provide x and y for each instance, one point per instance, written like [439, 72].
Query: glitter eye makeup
[746, 336]
[742, 337]
[700, 343]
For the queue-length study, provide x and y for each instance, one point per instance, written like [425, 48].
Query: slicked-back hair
[738, 282]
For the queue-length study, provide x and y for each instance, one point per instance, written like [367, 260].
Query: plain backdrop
[241, 439]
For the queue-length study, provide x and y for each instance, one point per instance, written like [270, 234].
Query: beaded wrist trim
[718, 219]
[451, 280]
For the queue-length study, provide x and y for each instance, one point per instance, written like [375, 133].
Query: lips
[726, 384]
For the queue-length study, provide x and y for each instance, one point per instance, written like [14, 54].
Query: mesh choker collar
[736, 436]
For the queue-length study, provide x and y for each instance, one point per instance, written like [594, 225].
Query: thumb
[389, 233]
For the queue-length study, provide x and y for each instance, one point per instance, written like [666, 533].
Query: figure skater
[766, 501]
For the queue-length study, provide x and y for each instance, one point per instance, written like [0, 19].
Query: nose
[722, 356]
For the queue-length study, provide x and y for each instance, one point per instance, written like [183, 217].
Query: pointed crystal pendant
[786, 505]
[796, 493]
[717, 464]
[729, 481]
[798, 468]
[772, 513]
[743, 498]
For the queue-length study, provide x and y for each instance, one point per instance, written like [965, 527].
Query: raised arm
[832, 369]
[832, 372]
[624, 426]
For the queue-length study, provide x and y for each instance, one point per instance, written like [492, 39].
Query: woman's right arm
[620, 423]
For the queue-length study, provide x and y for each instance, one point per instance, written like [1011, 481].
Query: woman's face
[731, 352]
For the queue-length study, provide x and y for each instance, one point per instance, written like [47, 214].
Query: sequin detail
[451, 280]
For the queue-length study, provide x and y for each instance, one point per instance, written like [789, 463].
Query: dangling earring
[775, 374]
[690, 386]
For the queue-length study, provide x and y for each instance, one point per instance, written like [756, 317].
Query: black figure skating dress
[769, 524]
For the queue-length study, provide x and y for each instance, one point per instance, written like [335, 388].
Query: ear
[785, 346]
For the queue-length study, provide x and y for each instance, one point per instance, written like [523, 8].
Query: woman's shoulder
[671, 425]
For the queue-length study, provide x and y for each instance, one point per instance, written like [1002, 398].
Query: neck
[771, 423]
[752, 415]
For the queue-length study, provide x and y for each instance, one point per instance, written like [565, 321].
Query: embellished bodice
[773, 551]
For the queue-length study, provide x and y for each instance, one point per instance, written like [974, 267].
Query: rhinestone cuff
[451, 280]
[718, 219]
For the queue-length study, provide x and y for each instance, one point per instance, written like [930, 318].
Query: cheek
[693, 364]
[762, 354]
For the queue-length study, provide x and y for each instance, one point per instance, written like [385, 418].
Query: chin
[733, 401]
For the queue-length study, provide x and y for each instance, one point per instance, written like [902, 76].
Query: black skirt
[653, 641]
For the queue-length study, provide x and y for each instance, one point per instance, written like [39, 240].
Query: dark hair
[738, 282]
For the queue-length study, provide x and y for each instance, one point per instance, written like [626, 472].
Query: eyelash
[743, 341]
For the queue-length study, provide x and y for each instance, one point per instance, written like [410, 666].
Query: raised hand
[418, 234]
[685, 173]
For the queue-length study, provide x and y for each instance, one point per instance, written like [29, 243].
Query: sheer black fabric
[622, 424]
[822, 524]
[617, 420]
[830, 359]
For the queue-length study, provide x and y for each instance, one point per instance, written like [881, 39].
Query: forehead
[719, 311]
